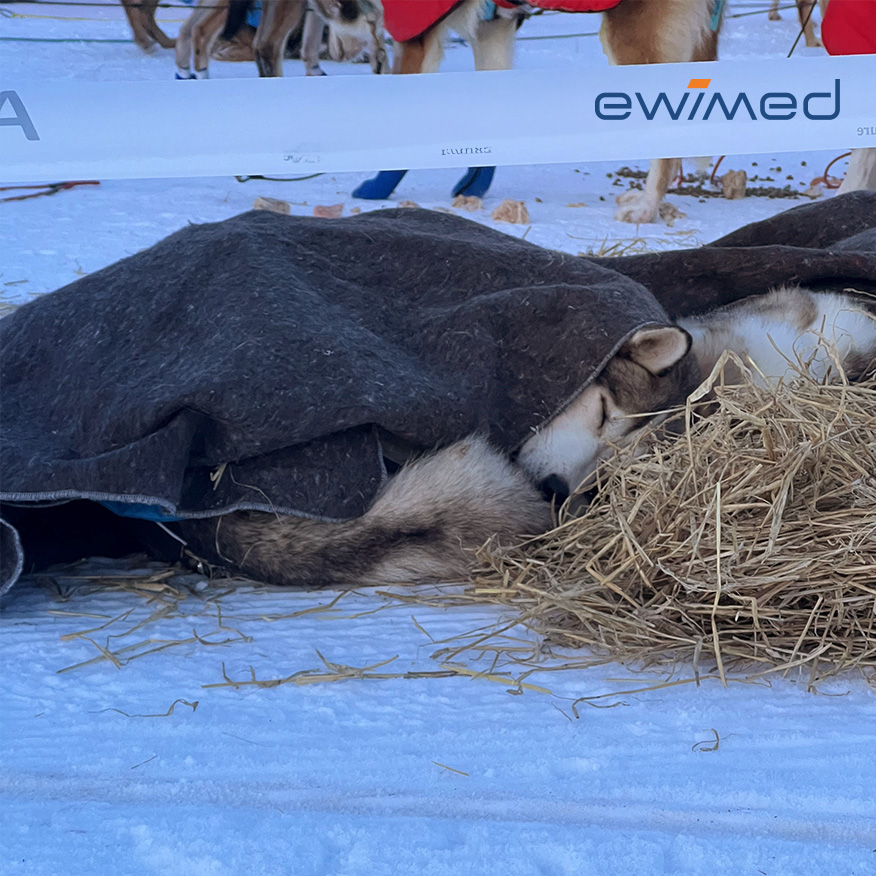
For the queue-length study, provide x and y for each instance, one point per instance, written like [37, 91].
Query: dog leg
[804, 14]
[774, 11]
[205, 32]
[645, 32]
[152, 28]
[135, 16]
[475, 183]
[702, 166]
[311, 42]
[380, 187]
[423, 54]
[183, 53]
[493, 47]
[377, 55]
[861, 175]
[639, 207]
[279, 18]
[407, 57]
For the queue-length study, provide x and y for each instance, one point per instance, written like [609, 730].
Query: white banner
[52, 130]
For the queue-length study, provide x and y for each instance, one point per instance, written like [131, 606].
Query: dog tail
[237, 12]
[422, 527]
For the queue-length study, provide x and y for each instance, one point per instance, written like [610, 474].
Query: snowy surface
[398, 775]
[357, 777]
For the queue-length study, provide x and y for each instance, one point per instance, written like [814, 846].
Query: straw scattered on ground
[747, 541]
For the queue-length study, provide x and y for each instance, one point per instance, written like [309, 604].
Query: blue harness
[718, 11]
[254, 16]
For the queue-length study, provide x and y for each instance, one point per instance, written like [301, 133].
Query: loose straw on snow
[749, 538]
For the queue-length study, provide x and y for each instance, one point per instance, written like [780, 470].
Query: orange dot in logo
[699, 83]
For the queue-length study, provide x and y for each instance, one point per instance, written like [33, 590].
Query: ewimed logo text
[697, 103]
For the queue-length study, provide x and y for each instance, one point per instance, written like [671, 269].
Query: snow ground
[430, 775]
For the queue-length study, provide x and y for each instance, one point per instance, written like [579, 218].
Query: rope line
[564, 36]
[46, 189]
[825, 178]
[4, 13]
[243, 179]
[107, 5]
[760, 7]
[5, 39]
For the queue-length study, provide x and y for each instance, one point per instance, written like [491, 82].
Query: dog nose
[554, 488]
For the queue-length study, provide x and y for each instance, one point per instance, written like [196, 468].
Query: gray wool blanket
[277, 363]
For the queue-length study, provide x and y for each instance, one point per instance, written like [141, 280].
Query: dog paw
[147, 46]
[636, 208]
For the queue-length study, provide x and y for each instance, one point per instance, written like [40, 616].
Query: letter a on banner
[21, 117]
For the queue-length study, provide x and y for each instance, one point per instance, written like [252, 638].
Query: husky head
[650, 373]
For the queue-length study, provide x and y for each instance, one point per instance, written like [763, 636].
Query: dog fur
[432, 514]
[491, 40]
[422, 526]
[789, 332]
[644, 32]
[861, 175]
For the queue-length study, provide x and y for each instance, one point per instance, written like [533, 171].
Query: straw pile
[748, 539]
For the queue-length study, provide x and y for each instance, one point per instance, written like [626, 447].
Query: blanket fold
[823, 245]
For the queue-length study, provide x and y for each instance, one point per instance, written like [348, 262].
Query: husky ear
[658, 349]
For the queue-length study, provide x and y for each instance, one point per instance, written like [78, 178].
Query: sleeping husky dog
[428, 517]
[431, 515]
